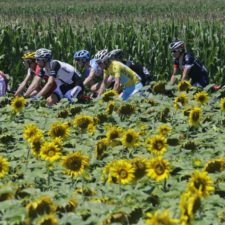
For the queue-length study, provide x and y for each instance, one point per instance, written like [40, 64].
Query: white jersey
[61, 71]
[93, 66]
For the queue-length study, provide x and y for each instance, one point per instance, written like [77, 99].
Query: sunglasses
[174, 51]
[39, 59]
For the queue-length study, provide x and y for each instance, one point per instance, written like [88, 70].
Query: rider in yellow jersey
[124, 76]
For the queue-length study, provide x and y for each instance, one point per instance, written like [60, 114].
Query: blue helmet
[82, 54]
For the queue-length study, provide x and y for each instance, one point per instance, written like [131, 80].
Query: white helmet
[43, 53]
[177, 45]
[101, 56]
[116, 54]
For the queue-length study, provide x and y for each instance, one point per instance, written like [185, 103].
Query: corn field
[142, 29]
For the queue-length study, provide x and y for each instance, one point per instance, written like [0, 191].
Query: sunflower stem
[73, 183]
[27, 156]
[165, 185]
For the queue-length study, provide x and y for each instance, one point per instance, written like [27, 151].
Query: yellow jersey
[127, 76]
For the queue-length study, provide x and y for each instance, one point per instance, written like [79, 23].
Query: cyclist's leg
[53, 99]
[129, 91]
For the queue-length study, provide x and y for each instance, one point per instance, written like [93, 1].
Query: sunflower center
[195, 116]
[129, 138]
[201, 98]
[158, 145]
[51, 152]
[59, 132]
[184, 87]
[74, 164]
[199, 184]
[123, 174]
[113, 135]
[18, 104]
[159, 169]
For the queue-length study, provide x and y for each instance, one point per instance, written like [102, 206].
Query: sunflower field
[155, 159]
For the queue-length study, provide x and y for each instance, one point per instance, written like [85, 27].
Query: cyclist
[32, 70]
[4, 78]
[125, 78]
[68, 81]
[143, 72]
[93, 74]
[190, 66]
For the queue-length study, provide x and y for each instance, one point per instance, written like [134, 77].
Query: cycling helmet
[28, 55]
[101, 56]
[82, 54]
[177, 45]
[116, 54]
[43, 53]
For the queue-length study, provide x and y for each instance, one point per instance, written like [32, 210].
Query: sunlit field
[157, 159]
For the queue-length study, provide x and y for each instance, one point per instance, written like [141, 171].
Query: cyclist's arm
[22, 86]
[90, 77]
[185, 73]
[175, 71]
[33, 86]
[116, 86]
[48, 86]
[103, 85]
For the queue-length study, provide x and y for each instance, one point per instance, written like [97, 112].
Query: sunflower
[109, 95]
[184, 85]
[4, 167]
[195, 116]
[159, 87]
[164, 130]
[197, 163]
[189, 204]
[83, 121]
[102, 117]
[158, 169]
[201, 183]
[126, 110]
[57, 141]
[59, 129]
[6, 193]
[18, 104]
[40, 206]
[180, 101]
[222, 104]
[201, 97]
[30, 131]
[161, 218]
[101, 146]
[68, 207]
[91, 128]
[113, 134]
[36, 143]
[64, 113]
[110, 107]
[106, 172]
[48, 220]
[157, 144]
[75, 163]
[140, 166]
[122, 172]
[215, 165]
[130, 138]
[50, 151]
